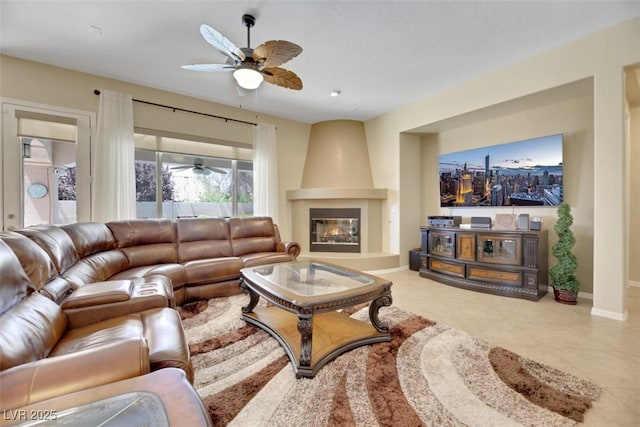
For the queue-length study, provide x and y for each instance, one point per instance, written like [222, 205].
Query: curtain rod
[226, 119]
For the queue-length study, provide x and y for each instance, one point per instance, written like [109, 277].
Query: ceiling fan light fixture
[199, 171]
[248, 77]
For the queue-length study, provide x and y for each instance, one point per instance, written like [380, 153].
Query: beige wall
[600, 57]
[634, 197]
[43, 84]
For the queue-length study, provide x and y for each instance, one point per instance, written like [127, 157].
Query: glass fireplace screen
[335, 230]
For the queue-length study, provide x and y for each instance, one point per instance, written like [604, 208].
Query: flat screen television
[520, 173]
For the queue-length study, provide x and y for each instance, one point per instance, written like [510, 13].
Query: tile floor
[604, 351]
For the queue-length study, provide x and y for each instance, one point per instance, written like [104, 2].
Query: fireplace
[334, 230]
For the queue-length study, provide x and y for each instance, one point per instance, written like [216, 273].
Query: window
[192, 186]
[244, 188]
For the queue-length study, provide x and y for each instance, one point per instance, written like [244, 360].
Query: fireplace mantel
[337, 193]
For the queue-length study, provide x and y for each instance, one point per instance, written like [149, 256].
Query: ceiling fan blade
[216, 170]
[221, 43]
[281, 77]
[210, 68]
[180, 168]
[275, 52]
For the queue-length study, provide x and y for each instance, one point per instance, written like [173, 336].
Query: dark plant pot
[565, 297]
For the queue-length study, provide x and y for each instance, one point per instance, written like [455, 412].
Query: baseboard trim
[388, 270]
[585, 295]
[622, 317]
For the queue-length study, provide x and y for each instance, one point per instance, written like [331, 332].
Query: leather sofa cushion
[57, 289]
[146, 242]
[174, 272]
[97, 267]
[90, 237]
[203, 238]
[15, 284]
[34, 260]
[56, 376]
[30, 330]
[98, 293]
[151, 254]
[136, 232]
[250, 235]
[56, 242]
[205, 271]
[161, 327]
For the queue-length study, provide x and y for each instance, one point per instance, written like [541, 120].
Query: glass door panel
[442, 243]
[49, 181]
[499, 249]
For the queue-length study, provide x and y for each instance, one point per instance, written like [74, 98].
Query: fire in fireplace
[334, 230]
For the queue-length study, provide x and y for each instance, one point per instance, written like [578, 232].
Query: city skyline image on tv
[521, 173]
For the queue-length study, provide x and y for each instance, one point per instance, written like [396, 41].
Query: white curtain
[113, 157]
[265, 171]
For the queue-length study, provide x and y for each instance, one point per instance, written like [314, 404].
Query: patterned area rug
[429, 374]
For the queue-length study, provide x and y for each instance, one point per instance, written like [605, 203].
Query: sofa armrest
[95, 302]
[47, 378]
[99, 293]
[292, 248]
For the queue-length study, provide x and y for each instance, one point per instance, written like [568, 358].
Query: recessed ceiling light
[335, 93]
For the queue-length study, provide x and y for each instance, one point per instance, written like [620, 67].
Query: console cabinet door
[466, 246]
[499, 249]
[442, 243]
[530, 252]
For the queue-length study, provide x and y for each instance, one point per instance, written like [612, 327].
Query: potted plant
[563, 279]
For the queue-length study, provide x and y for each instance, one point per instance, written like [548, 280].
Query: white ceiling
[380, 54]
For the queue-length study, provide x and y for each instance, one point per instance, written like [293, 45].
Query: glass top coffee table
[303, 316]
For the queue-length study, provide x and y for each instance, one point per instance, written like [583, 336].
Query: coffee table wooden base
[332, 334]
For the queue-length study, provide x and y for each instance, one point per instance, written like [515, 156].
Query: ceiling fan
[252, 66]
[199, 168]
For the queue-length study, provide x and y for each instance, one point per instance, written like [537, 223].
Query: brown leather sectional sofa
[87, 304]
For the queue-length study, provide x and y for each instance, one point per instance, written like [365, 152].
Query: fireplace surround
[337, 175]
[334, 230]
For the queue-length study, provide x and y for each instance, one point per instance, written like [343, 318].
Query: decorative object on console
[523, 221]
[251, 66]
[536, 224]
[480, 222]
[505, 222]
[444, 221]
[563, 279]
